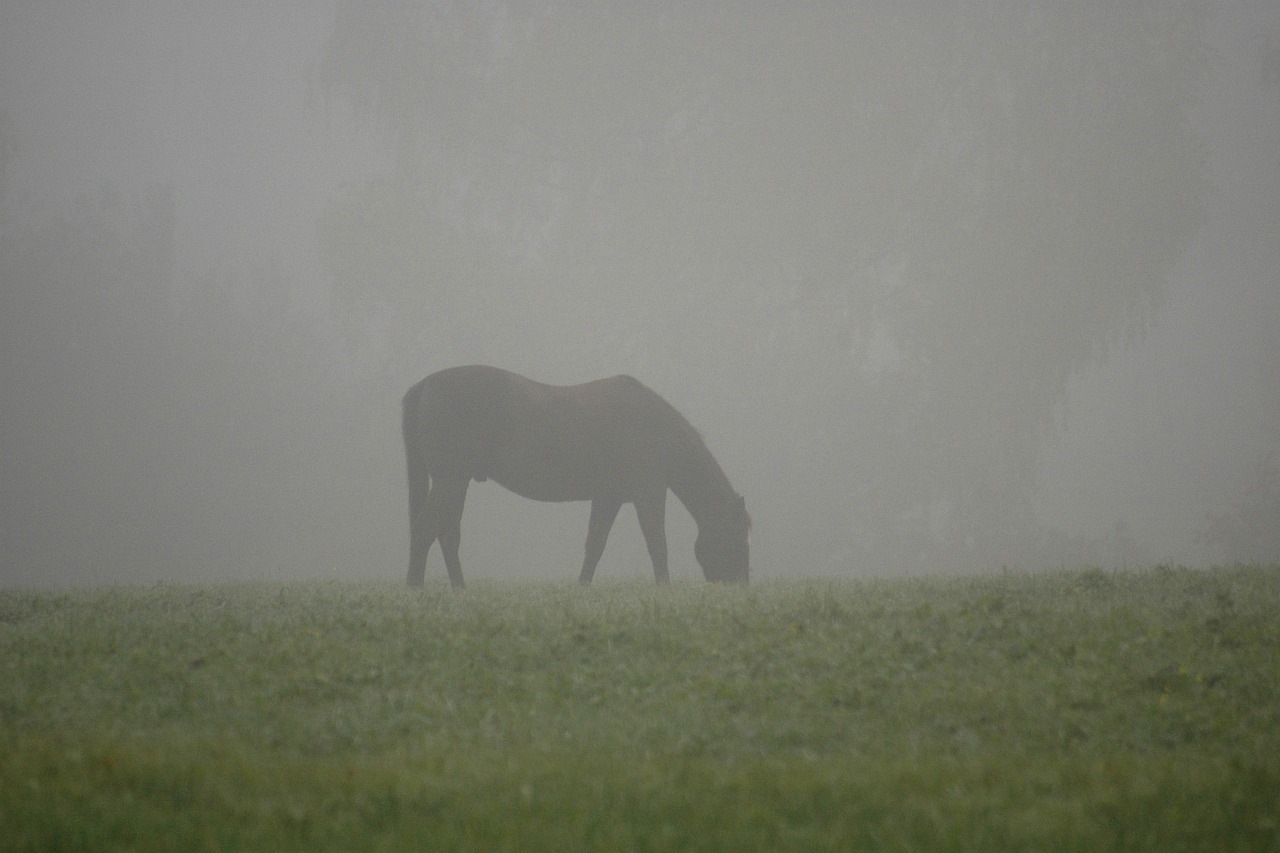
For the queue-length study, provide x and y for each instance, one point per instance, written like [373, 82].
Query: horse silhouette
[612, 441]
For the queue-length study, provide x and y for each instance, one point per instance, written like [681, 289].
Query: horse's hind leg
[452, 498]
[438, 516]
[423, 529]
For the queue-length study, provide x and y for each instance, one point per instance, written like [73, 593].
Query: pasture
[1066, 711]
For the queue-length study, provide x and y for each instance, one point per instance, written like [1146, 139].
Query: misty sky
[1174, 426]
[221, 102]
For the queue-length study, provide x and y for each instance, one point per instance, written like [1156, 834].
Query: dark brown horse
[612, 441]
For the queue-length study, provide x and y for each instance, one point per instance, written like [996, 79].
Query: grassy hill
[1067, 711]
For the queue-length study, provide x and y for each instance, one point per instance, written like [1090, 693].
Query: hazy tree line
[160, 420]
[879, 239]
[865, 248]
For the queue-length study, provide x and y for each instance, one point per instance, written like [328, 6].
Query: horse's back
[547, 442]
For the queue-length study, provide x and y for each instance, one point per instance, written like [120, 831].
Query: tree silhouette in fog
[1251, 530]
[877, 241]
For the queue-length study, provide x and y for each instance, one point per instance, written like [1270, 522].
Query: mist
[955, 290]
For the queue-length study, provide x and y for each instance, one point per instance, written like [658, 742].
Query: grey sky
[219, 101]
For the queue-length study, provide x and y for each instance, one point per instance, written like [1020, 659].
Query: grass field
[1082, 710]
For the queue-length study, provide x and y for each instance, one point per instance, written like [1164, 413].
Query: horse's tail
[414, 454]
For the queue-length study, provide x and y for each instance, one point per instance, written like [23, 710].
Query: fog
[953, 289]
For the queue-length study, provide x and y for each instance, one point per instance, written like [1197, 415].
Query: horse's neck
[701, 485]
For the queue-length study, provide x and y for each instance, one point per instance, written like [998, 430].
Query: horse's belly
[569, 456]
[562, 477]
[545, 488]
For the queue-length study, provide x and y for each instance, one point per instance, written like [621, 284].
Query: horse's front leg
[652, 513]
[603, 513]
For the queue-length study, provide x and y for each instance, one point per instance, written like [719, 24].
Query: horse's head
[724, 543]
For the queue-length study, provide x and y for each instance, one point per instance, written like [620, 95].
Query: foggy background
[947, 288]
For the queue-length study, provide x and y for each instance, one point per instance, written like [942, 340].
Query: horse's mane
[690, 431]
[693, 437]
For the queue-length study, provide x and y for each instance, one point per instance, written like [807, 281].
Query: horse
[612, 441]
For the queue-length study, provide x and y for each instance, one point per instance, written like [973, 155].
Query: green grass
[1072, 711]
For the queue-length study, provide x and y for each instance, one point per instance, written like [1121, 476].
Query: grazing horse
[612, 441]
